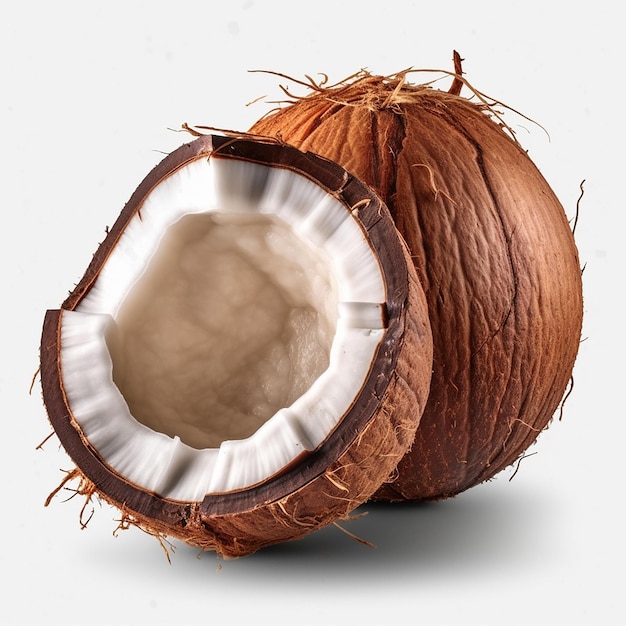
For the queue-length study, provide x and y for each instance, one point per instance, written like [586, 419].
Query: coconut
[247, 355]
[492, 247]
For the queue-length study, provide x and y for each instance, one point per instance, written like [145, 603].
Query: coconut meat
[228, 332]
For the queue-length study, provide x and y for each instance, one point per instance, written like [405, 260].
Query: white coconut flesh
[229, 331]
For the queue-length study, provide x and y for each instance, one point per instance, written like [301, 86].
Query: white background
[89, 95]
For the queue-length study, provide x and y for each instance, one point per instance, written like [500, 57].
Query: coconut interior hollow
[232, 321]
[229, 330]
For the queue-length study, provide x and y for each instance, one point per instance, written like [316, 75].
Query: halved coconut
[248, 354]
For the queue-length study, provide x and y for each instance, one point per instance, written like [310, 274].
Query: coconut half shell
[321, 481]
[494, 252]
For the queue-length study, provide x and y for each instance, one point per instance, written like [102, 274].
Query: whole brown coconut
[494, 252]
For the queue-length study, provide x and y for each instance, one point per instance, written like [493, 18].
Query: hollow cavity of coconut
[494, 252]
[248, 354]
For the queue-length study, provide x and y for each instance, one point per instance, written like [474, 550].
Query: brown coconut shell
[322, 485]
[494, 252]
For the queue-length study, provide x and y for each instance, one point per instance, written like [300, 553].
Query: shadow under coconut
[490, 525]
